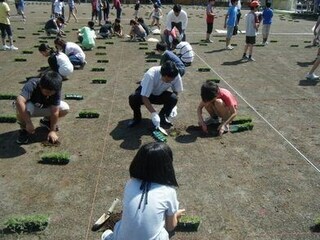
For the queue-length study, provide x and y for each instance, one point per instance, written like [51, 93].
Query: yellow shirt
[4, 11]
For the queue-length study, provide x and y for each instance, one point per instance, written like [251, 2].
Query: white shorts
[266, 29]
[35, 111]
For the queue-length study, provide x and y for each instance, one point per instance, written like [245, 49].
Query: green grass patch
[143, 48]
[214, 80]
[21, 37]
[241, 120]
[28, 223]
[159, 136]
[152, 60]
[273, 41]
[203, 44]
[73, 96]
[7, 96]
[101, 47]
[102, 61]
[99, 81]
[88, 114]
[100, 53]
[27, 52]
[20, 28]
[8, 118]
[188, 223]
[204, 69]
[294, 45]
[150, 53]
[97, 69]
[43, 41]
[241, 127]
[36, 34]
[222, 40]
[59, 158]
[20, 59]
[143, 44]
[109, 42]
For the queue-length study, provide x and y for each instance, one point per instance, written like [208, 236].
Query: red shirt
[227, 97]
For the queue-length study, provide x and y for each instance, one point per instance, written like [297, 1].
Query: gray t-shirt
[251, 30]
[152, 83]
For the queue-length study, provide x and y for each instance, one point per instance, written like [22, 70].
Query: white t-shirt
[65, 66]
[74, 49]
[58, 6]
[185, 52]
[148, 222]
[183, 18]
[251, 25]
[152, 83]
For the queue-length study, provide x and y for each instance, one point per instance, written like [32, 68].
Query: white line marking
[265, 120]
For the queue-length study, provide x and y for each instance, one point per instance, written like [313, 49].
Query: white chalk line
[262, 117]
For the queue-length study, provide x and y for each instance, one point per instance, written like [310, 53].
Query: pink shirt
[227, 97]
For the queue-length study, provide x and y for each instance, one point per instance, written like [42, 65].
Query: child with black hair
[184, 51]
[137, 32]
[74, 52]
[87, 36]
[150, 204]
[252, 25]
[58, 61]
[54, 26]
[153, 89]
[5, 26]
[219, 103]
[41, 97]
[267, 15]
[105, 10]
[117, 28]
[209, 19]
[145, 27]
[136, 9]
[106, 30]
[156, 15]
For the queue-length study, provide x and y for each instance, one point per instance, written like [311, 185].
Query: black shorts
[209, 28]
[250, 39]
[5, 29]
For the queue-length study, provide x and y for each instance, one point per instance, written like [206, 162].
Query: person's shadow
[308, 82]
[194, 132]
[306, 64]
[236, 62]
[131, 137]
[9, 148]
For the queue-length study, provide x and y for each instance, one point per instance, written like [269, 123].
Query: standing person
[136, 9]
[153, 89]
[58, 61]
[117, 6]
[252, 25]
[54, 26]
[41, 97]
[230, 22]
[72, 11]
[177, 18]
[5, 26]
[184, 51]
[150, 205]
[210, 19]
[169, 55]
[20, 9]
[73, 51]
[105, 10]
[87, 36]
[219, 103]
[267, 15]
[310, 75]
[96, 14]
[58, 8]
[156, 15]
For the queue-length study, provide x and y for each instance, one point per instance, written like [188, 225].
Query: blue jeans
[74, 60]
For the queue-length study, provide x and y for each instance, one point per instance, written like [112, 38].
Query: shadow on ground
[306, 82]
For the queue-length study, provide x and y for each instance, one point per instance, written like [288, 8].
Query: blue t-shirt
[169, 55]
[267, 15]
[232, 16]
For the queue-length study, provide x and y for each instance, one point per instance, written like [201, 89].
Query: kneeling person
[41, 97]
[153, 89]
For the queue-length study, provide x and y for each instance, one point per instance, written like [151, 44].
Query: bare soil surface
[259, 184]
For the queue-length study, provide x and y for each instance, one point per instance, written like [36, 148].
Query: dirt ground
[259, 184]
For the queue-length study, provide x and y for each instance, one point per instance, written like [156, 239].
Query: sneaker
[13, 48]
[251, 59]
[5, 47]
[82, 65]
[46, 123]
[23, 137]
[245, 57]
[208, 41]
[312, 76]
[229, 47]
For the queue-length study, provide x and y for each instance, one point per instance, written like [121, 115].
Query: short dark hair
[177, 8]
[209, 90]
[161, 47]
[60, 19]
[175, 42]
[51, 81]
[117, 20]
[268, 4]
[153, 163]
[140, 20]
[169, 69]
[44, 47]
[133, 22]
[91, 24]
[61, 42]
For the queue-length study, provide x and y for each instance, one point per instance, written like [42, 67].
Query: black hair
[153, 163]
[155, 5]
[177, 8]
[59, 41]
[117, 20]
[2, 0]
[169, 69]
[268, 4]
[53, 63]
[45, 47]
[60, 19]
[132, 21]
[140, 20]
[51, 81]
[91, 25]
[161, 47]
[209, 90]
[175, 42]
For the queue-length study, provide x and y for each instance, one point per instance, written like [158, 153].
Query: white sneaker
[5, 47]
[312, 76]
[13, 48]
[229, 47]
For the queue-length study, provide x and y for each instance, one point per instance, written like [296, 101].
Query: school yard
[259, 184]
